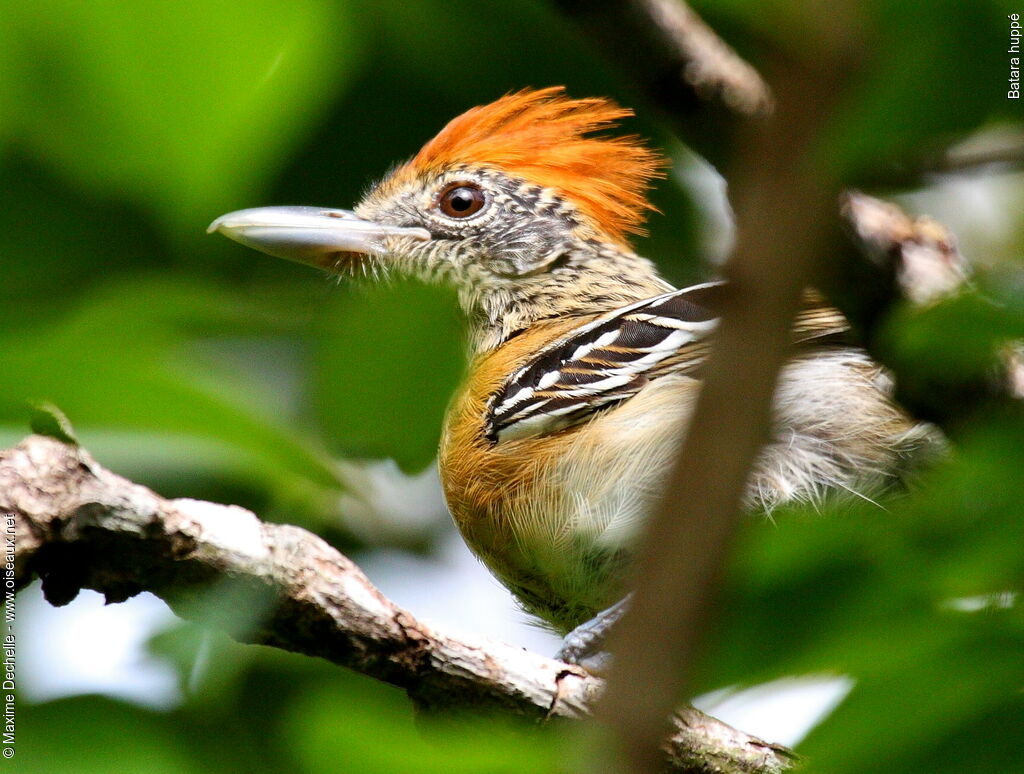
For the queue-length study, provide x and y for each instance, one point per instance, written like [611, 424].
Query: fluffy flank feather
[541, 136]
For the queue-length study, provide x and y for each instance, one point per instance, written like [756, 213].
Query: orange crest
[541, 136]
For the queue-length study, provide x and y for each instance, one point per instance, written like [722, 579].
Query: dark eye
[460, 200]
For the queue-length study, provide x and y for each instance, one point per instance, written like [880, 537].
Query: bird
[585, 363]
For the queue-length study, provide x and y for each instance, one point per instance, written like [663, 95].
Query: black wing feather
[610, 359]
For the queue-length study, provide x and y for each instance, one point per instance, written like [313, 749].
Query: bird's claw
[585, 645]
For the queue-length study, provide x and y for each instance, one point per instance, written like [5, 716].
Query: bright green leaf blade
[388, 362]
[348, 721]
[98, 736]
[183, 106]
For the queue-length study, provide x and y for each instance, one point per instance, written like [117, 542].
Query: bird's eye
[460, 200]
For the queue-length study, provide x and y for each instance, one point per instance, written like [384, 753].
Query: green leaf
[97, 736]
[370, 728]
[388, 361]
[953, 350]
[49, 420]
[910, 602]
[927, 713]
[934, 72]
[186, 107]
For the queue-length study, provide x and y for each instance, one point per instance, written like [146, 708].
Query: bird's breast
[554, 515]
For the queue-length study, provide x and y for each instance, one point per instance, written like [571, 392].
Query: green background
[202, 369]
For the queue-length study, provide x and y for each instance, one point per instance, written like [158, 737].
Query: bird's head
[516, 203]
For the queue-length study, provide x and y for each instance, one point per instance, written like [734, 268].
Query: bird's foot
[584, 645]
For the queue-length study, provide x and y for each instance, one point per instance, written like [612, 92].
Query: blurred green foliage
[202, 369]
[916, 602]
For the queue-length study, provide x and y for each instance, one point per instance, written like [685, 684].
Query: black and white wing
[611, 358]
[603, 362]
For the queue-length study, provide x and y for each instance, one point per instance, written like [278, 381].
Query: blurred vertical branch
[785, 204]
[783, 211]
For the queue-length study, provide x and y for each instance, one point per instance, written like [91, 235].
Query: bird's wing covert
[603, 362]
[611, 358]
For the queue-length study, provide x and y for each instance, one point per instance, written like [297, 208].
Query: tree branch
[77, 525]
[694, 77]
[916, 260]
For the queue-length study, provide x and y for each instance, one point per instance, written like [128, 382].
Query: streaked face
[462, 224]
